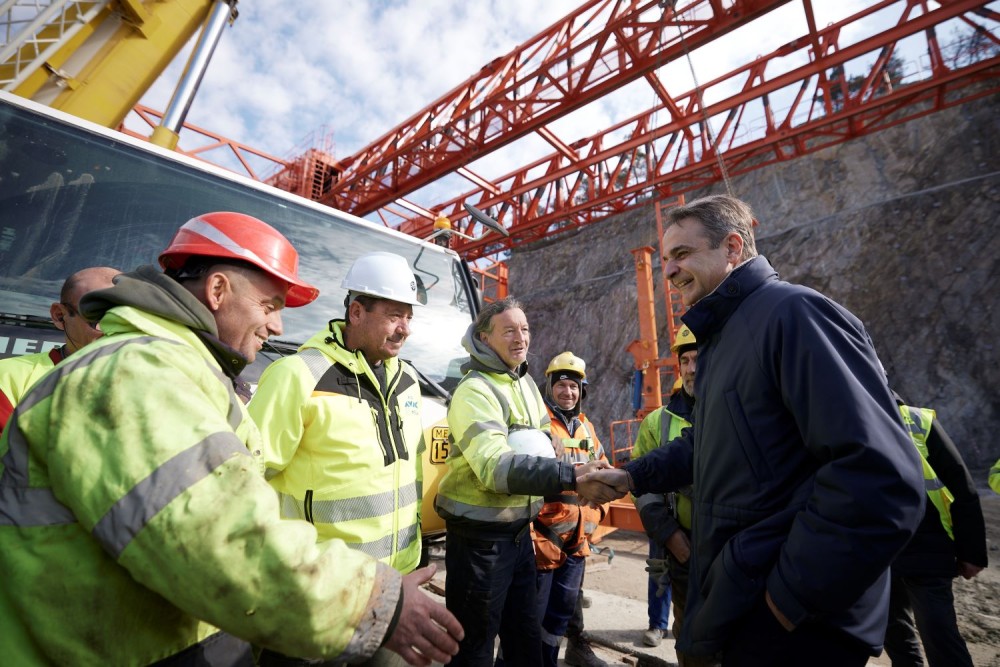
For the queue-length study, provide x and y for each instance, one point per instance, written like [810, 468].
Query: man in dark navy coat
[806, 484]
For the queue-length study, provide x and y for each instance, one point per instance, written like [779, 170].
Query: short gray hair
[720, 215]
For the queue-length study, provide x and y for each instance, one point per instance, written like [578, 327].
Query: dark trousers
[679, 576]
[574, 630]
[760, 641]
[558, 593]
[930, 603]
[490, 588]
[218, 650]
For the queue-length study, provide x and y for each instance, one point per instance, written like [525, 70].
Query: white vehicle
[74, 194]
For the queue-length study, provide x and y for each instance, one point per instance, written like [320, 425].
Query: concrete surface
[618, 623]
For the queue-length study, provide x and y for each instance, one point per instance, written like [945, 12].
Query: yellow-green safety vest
[158, 519]
[342, 454]
[654, 432]
[918, 422]
[482, 408]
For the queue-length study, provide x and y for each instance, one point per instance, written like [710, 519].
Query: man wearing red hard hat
[131, 469]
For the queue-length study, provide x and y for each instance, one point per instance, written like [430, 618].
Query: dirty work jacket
[564, 525]
[17, 374]
[660, 517]
[343, 455]
[931, 552]
[488, 490]
[805, 482]
[133, 520]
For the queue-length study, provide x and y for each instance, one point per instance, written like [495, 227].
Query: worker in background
[136, 520]
[950, 541]
[17, 374]
[994, 478]
[442, 231]
[656, 513]
[354, 473]
[806, 484]
[563, 527]
[490, 493]
[667, 518]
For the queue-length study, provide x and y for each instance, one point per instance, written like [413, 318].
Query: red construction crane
[819, 89]
[688, 139]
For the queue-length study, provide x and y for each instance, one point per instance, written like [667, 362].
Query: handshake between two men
[598, 483]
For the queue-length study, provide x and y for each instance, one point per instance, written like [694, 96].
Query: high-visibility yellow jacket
[342, 454]
[918, 423]
[488, 489]
[17, 374]
[658, 428]
[995, 477]
[134, 522]
[563, 525]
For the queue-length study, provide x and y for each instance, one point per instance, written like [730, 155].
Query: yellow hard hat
[681, 338]
[567, 361]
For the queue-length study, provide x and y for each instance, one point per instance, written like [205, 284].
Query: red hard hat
[239, 236]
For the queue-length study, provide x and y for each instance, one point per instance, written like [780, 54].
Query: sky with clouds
[289, 72]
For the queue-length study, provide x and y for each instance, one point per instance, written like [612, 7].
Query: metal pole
[194, 71]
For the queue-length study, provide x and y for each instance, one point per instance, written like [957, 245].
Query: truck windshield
[72, 196]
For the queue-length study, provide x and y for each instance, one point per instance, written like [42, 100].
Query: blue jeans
[558, 591]
[490, 588]
[659, 607]
[930, 601]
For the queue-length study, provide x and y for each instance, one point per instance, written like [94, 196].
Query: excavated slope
[901, 227]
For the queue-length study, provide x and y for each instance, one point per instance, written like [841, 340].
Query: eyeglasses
[73, 312]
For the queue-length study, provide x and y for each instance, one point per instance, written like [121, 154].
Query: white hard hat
[383, 275]
[532, 442]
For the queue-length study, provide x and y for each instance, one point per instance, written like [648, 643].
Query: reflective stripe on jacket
[342, 455]
[133, 519]
[563, 525]
[918, 423]
[487, 487]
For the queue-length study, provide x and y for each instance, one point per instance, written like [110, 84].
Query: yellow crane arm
[104, 65]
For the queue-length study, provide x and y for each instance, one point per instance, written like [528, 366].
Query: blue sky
[289, 71]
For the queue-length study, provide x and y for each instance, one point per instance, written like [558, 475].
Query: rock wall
[901, 227]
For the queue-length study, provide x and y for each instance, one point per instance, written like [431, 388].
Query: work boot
[653, 636]
[579, 654]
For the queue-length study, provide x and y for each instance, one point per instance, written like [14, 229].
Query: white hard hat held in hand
[531, 442]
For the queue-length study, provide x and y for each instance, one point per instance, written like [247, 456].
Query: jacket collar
[151, 291]
[569, 418]
[331, 342]
[681, 404]
[711, 313]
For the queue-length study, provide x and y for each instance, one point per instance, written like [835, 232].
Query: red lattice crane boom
[591, 52]
[666, 150]
[823, 87]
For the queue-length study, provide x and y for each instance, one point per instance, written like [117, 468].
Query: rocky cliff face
[901, 227]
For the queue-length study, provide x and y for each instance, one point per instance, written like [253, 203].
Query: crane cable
[670, 5]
